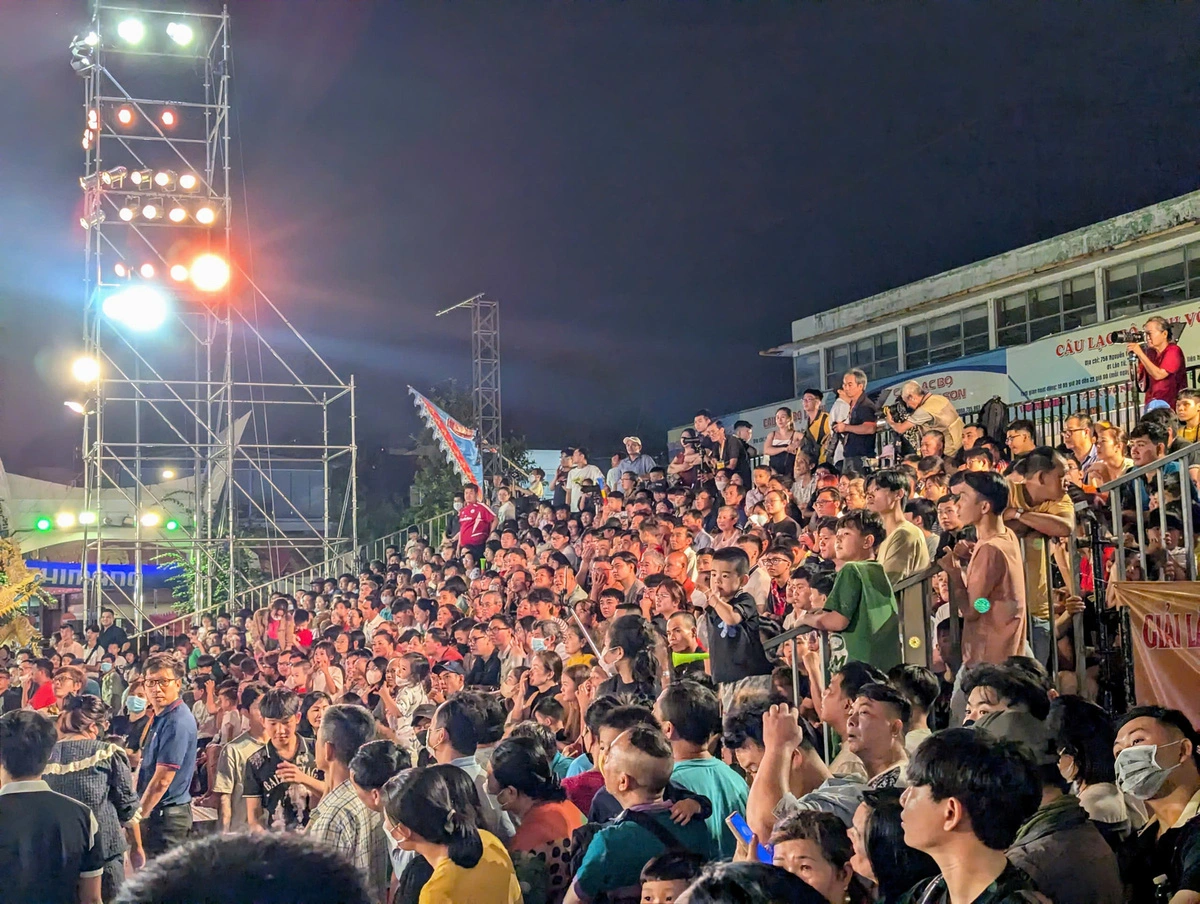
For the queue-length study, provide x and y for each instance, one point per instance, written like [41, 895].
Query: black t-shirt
[47, 842]
[857, 446]
[11, 700]
[735, 448]
[1176, 854]
[614, 686]
[116, 634]
[735, 651]
[785, 528]
[286, 805]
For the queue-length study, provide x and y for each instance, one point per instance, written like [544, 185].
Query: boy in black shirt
[735, 648]
[282, 783]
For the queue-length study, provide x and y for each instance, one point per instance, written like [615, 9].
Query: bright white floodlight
[140, 308]
[179, 33]
[132, 30]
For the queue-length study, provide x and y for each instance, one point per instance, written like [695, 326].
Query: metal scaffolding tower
[214, 435]
[485, 379]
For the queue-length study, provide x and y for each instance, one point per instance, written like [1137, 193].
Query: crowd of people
[585, 698]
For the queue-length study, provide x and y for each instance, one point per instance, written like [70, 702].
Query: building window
[1153, 282]
[877, 356]
[806, 372]
[946, 337]
[1045, 311]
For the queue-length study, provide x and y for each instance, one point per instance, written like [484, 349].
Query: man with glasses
[168, 762]
[1078, 437]
[485, 669]
[500, 632]
[1161, 369]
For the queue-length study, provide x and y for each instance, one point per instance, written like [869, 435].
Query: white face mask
[373, 676]
[760, 520]
[1138, 771]
[458, 506]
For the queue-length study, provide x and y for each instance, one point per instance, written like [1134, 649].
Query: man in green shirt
[861, 607]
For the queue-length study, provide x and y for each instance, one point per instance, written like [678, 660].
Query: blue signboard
[70, 574]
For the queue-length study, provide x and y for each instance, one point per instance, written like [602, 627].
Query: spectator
[96, 773]
[920, 687]
[929, 412]
[749, 883]
[1187, 409]
[779, 752]
[967, 798]
[475, 523]
[10, 696]
[281, 784]
[580, 472]
[40, 694]
[266, 869]
[857, 432]
[1156, 763]
[635, 462]
[637, 768]
[522, 781]
[862, 606]
[736, 654]
[485, 665]
[629, 655]
[583, 779]
[1020, 438]
[111, 632]
[922, 513]
[168, 760]
[425, 811]
[816, 847]
[903, 551]
[1039, 507]
[1079, 437]
[1059, 847]
[1111, 460]
[880, 853]
[990, 596]
[690, 717]
[51, 849]
[1161, 369]
[1002, 688]
[228, 783]
[454, 734]
[342, 821]
[666, 877]
[875, 734]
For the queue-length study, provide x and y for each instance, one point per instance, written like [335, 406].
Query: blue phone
[738, 825]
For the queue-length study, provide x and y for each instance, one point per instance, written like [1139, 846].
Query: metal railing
[258, 596]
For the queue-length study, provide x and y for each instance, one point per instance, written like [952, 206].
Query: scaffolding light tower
[485, 381]
[197, 397]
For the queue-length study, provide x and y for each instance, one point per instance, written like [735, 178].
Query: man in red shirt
[1161, 371]
[43, 671]
[475, 522]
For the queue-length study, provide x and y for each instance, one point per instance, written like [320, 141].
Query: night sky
[654, 191]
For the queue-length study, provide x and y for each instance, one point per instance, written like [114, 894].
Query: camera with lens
[1125, 337]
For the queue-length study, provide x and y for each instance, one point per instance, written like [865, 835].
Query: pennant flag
[457, 442]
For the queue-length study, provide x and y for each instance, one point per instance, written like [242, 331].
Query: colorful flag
[457, 442]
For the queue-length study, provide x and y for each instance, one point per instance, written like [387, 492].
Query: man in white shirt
[580, 471]
[454, 737]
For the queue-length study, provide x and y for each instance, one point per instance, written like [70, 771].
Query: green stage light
[43, 524]
[172, 524]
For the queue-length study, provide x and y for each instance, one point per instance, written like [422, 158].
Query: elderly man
[929, 411]
[858, 430]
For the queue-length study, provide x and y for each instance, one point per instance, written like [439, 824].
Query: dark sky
[654, 191]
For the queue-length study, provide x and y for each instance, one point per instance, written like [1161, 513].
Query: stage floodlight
[179, 273]
[180, 33]
[141, 178]
[140, 308]
[91, 220]
[189, 182]
[150, 519]
[150, 211]
[86, 518]
[125, 115]
[131, 31]
[168, 474]
[85, 369]
[147, 271]
[121, 270]
[64, 520]
[165, 179]
[92, 39]
[167, 118]
[89, 183]
[93, 120]
[82, 53]
[206, 216]
[172, 524]
[77, 407]
[177, 215]
[114, 176]
[87, 139]
[43, 524]
[210, 273]
[127, 213]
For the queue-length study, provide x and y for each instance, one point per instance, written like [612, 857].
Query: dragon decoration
[19, 586]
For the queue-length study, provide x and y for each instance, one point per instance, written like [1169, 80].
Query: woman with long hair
[880, 854]
[782, 442]
[573, 678]
[522, 780]
[629, 655]
[133, 726]
[804, 482]
[312, 708]
[541, 680]
[430, 810]
[95, 772]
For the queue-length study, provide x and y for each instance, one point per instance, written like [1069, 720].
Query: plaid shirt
[347, 825]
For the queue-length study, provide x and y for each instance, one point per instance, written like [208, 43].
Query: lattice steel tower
[485, 380]
[185, 356]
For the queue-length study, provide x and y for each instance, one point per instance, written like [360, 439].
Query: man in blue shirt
[168, 762]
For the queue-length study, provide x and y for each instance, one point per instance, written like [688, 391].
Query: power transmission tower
[485, 380]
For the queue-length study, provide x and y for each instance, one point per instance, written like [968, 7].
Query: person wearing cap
[1059, 847]
[450, 677]
[635, 460]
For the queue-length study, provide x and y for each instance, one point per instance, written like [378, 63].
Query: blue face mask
[135, 704]
[106, 666]
[537, 644]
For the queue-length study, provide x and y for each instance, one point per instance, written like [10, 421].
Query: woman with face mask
[134, 725]
[95, 772]
[629, 656]
[522, 781]
[434, 811]
[1084, 736]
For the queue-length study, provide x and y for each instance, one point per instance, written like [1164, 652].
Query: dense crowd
[584, 698]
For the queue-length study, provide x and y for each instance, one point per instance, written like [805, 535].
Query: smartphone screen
[738, 825]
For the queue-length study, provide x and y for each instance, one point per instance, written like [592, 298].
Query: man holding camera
[1161, 370]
